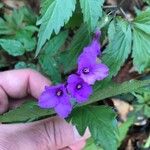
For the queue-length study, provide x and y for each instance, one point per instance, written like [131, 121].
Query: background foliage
[49, 35]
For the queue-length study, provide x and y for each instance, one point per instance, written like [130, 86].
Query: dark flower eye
[78, 86]
[86, 70]
[59, 92]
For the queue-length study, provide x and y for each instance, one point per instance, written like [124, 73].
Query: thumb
[53, 133]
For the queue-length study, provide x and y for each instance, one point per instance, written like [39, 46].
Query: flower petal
[88, 78]
[63, 110]
[94, 49]
[101, 71]
[47, 100]
[72, 78]
[82, 94]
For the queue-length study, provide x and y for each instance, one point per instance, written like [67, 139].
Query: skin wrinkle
[6, 142]
[60, 134]
[47, 135]
[28, 90]
[54, 132]
[3, 101]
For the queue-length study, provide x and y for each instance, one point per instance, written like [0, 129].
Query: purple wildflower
[56, 97]
[78, 88]
[89, 70]
[94, 48]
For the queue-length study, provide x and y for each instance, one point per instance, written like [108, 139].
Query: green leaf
[44, 5]
[47, 60]
[27, 112]
[112, 89]
[147, 1]
[92, 11]
[99, 94]
[124, 127]
[90, 145]
[147, 111]
[13, 47]
[101, 122]
[25, 37]
[56, 15]
[4, 28]
[1, 5]
[69, 58]
[22, 64]
[20, 17]
[141, 44]
[17, 21]
[77, 18]
[120, 39]
[3, 60]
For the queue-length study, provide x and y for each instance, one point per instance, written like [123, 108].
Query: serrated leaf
[57, 14]
[90, 145]
[22, 64]
[141, 44]
[19, 18]
[112, 89]
[76, 19]
[124, 127]
[99, 94]
[4, 28]
[47, 60]
[50, 68]
[92, 11]
[44, 5]
[69, 57]
[120, 39]
[101, 123]
[13, 47]
[53, 45]
[28, 112]
[25, 37]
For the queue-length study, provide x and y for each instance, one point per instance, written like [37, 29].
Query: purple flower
[94, 47]
[89, 70]
[78, 88]
[56, 97]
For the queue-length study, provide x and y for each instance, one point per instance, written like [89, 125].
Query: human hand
[49, 134]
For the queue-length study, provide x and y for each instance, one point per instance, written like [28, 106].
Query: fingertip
[78, 146]
[37, 83]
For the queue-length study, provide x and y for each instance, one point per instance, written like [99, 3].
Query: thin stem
[109, 6]
[124, 14]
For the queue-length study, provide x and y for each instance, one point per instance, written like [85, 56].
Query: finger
[78, 145]
[19, 83]
[54, 133]
[3, 101]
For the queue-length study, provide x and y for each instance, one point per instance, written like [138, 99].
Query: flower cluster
[78, 85]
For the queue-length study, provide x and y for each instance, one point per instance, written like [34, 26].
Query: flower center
[86, 70]
[59, 93]
[78, 86]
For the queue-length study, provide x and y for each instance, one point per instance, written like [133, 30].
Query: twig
[124, 14]
[109, 6]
